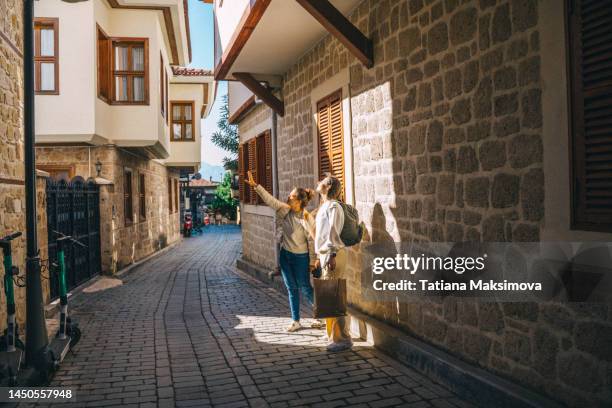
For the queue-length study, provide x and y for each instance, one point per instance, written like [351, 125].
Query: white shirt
[329, 222]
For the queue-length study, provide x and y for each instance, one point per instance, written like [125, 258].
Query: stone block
[463, 25]
[525, 150]
[466, 160]
[454, 232]
[578, 371]
[493, 229]
[476, 345]
[482, 98]
[517, 347]
[508, 125]
[449, 160]
[523, 311]
[501, 28]
[424, 95]
[492, 155]
[477, 192]
[484, 37]
[470, 76]
[505, 190]
[461, 112]
[480, 130]
[531, 104]
[446, 190]
[504, 78]
[506, 104]
[435, 135]
[490, 317]
[529, 71]
[452, 83]
[526, 233]
[416, 141]
[532, 195]
[437, 38]
[426, 184]
[524, 14]
[594, 338]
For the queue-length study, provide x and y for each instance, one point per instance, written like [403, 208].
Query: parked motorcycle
[187, 225]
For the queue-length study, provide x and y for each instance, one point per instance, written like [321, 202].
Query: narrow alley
[187, 329]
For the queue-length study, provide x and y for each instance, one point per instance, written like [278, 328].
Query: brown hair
[304, 195]
[334, 187]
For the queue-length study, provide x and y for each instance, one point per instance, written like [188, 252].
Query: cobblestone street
[187, 329]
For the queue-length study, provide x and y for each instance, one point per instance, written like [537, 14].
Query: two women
[296, 224]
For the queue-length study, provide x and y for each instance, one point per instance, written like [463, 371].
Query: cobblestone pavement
[187, 329]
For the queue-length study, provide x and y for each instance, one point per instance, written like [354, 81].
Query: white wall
[139, 125]
[188, 152]
[72, 111]
[227, 18]
[237, 95]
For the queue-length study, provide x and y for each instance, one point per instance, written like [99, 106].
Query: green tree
[223, 201]
[226, 137]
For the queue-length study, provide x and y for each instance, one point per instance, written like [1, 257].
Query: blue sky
[202, 44]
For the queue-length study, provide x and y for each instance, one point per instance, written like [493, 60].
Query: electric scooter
[11, 347]
[69, 333]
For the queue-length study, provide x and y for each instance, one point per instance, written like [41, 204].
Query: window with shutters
[142, 203]
[183, 121]
[590, 36]
[128, 200]
[255, 156]
[330, 137]
[46, 56]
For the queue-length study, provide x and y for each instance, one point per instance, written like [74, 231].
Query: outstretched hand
[250, 180]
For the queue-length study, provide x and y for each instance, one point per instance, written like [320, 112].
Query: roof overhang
[205, 81]
[265, 48]
[176, 20]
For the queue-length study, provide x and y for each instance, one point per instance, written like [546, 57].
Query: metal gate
[73, 208]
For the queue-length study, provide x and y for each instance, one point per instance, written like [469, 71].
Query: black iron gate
[73, 208]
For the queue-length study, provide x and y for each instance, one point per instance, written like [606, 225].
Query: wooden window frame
[128, 197]
[110, 73]
[142, 196]
[582, 217]
[182, 121]
[46, 22]
[130, 42]
[331, 153]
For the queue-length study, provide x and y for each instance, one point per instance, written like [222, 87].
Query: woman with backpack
[329, 247]
[297, 225]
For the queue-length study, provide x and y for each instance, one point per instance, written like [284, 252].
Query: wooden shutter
[331, 140]
[127, 198]
[268, 161]
[253, 168]
[590, 33]
[104, 66]
[141, 197]
[241, 173]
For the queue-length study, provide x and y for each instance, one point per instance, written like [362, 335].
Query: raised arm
[267, 198]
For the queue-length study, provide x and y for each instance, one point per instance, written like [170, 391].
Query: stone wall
[123, 245]
[258, 243]
[447, 141]
[12, 170]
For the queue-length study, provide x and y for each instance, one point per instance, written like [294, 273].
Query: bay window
[183, 121]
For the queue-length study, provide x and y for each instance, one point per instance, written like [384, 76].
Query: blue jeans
[294, 269]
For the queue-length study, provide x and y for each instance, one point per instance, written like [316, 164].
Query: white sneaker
[317, 324]
[295, 326]
[338, 347]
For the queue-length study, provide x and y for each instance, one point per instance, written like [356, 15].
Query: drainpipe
[275, 183]
[36, 331]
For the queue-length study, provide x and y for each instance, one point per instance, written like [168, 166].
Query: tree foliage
[226, 137]
[223, 201]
